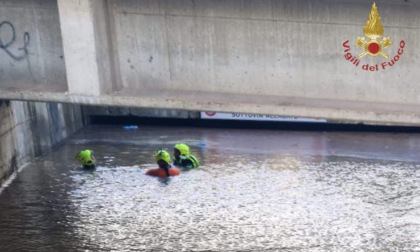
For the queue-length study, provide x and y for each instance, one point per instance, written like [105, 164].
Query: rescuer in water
[163, 159]
[86, 158]
[183, 158]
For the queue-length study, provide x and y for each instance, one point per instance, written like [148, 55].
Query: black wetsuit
[186, 163]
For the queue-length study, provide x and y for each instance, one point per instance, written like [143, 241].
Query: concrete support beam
[86, 42]
[278, 57]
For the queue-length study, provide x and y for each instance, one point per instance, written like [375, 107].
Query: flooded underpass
[256, 190]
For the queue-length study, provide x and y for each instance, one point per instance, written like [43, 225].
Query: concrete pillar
[87, 46]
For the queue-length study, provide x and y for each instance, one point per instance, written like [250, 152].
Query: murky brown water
[256, 191]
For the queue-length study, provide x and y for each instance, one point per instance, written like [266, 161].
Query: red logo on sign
[210, 113]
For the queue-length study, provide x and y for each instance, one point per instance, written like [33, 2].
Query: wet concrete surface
[256, 190]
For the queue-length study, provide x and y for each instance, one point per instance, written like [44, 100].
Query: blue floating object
[130, 127]
[202, 143]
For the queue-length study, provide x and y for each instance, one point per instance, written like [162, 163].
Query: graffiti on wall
[8, 39]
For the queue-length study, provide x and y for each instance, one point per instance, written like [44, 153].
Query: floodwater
[257, 190]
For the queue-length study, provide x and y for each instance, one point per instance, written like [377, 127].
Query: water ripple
[237, 201]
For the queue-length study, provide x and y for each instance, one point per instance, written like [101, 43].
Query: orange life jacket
[160, 172]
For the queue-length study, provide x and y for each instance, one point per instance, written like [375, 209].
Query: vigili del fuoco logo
[374, 45]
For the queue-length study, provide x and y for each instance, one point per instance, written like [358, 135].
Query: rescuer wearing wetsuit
[163, 159]
[86, 158]
[183, 158]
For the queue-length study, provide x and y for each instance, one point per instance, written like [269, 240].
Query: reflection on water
[255, 191]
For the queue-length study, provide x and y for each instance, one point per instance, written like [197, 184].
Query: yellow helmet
[183, 149]
[85, 157]
[163, 155]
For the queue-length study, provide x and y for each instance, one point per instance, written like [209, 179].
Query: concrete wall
[31, 54]
[264, 47]
[279, 57]
[29, 129]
